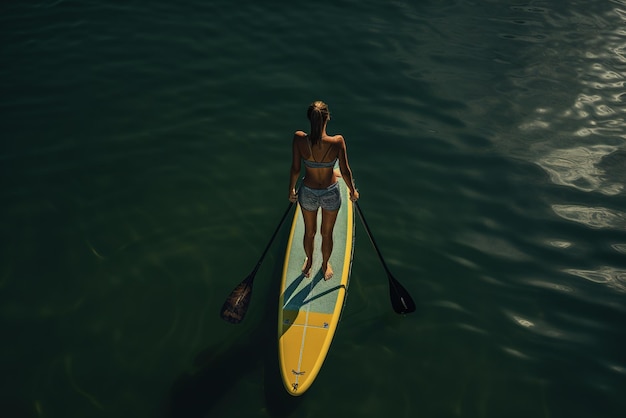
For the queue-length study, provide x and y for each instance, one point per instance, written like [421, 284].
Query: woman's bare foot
[306, 267]
[328, 272]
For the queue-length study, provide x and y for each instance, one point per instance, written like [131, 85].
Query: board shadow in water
[199, 394]
[221, 367]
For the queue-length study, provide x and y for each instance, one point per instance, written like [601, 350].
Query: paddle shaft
[400, 299]
[371, 237]
[269, 244]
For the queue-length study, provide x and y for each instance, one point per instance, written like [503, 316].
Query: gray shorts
[313, 199]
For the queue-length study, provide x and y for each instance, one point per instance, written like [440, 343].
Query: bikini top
[315, 164]
[319, 164]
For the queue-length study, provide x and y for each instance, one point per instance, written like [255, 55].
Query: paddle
[236, 305]
[400, 299]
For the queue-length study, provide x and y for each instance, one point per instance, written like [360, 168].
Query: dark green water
[144, 165]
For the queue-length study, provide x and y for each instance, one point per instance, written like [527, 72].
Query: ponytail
[318, 115]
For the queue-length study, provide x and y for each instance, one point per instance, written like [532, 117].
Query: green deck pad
[318, 294]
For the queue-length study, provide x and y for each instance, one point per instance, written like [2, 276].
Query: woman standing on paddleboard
[320, 189]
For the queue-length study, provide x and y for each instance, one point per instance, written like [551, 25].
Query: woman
[320, 189]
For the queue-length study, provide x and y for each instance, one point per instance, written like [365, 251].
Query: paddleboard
[310, 308]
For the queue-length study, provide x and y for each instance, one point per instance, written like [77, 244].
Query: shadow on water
[201, 393]
[220, 369]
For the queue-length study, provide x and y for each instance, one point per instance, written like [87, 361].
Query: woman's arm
[346, 172]
[295, 165]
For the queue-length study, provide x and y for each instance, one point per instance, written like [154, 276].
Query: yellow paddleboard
[310, 308]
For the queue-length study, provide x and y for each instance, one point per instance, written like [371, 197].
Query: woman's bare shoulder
[300, 134]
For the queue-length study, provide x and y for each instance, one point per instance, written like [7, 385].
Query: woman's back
[319, 159]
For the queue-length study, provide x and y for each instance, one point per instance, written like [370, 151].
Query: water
[145, 155]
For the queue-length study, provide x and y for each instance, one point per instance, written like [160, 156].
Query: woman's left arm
[296, 166]
[346, 172]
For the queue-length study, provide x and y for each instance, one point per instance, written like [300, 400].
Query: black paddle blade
[236, 305]
[401, 300]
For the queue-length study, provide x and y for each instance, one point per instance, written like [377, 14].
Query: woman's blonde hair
[318, 115]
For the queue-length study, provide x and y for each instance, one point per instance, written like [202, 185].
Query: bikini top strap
[327, 150]
[308, 142]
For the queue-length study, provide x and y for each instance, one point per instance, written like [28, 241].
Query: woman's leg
[328, 223]
[310, 226]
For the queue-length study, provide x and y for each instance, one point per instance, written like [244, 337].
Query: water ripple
[578, 167]
[543, 328]
[593, 217]
[614, 278]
